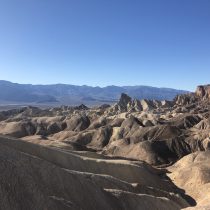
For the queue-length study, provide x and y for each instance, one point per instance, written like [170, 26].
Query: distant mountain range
[74, 95]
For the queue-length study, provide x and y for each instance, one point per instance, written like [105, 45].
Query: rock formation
[203, 92]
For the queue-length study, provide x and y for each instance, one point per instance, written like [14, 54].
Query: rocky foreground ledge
[136, 154]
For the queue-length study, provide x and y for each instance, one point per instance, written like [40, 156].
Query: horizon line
[97, 86]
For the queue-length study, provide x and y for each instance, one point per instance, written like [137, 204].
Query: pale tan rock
[192, 173]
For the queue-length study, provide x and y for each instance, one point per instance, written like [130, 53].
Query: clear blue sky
[163, 43]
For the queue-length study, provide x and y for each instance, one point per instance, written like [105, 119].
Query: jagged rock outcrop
[203, 91]
[124, 101]
[185, 99]
[127, 104]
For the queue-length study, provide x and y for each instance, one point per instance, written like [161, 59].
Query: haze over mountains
[74, 95]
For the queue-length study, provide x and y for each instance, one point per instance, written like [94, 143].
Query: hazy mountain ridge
[73, 94]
